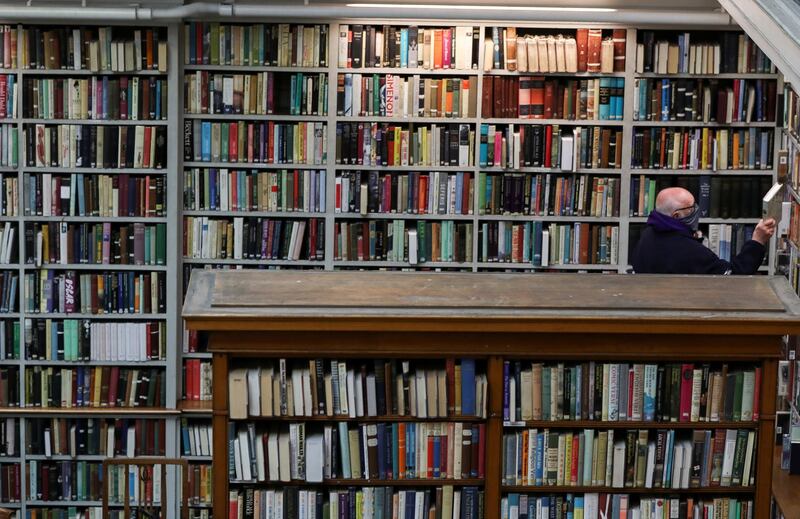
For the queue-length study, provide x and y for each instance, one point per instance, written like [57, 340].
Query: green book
[214, 44]
[481, 193]
[161, 244]
[223, 141]
[546, 393]
[737, 396]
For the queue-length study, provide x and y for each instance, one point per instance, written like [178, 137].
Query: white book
[245, 455]
[618, 474]
[677, 464]
[308, 402]
[297, 392]
[651, 464]
[253, 391]
[727, 460]
[315, 458]
[687, 463]
[272, 455]
[284, 457]
[359, 394]
[261, 469]
[372, 403]
[237, 459]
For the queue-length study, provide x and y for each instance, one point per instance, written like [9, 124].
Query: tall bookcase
[90, 333]
[332, 316]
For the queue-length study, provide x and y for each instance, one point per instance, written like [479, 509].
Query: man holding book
[672, 244]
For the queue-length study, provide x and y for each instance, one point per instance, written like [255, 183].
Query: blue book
[620, 98]
[513, 505]
[665, 99]
[383, 469]
[205, 149]
[605, 98]
[681, 46]
[459, 191]
[468, 387]
[538, 471]
[104, 100]
[344, 447]
[484, 147]
[321, 191]
[437, 456]
[537, 243]
[506, 385]
[158, 100]
[185, 434]
[404, 47]
[496, 43]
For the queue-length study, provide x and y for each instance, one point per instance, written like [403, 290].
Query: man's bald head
[672, 199]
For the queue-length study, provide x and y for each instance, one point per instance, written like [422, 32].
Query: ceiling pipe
[339, 11]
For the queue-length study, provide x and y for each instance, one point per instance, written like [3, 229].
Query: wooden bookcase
[493, 317]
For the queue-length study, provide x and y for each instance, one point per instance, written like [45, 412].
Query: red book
[442, 461]
[270, 142]
[148, 135]
[204, 102]
[475, 455]
[548, 148]
[548, 100]
[619, 36]
[583, 250]
[233, 143]
[686, 392]
[499, 96]
[450, 374]
[630, 393]
[582, 41]
[575, 452]
[123, 98]
[250, 141]
[593, 53]
[113, 386]
[757, 395]
[488, 95]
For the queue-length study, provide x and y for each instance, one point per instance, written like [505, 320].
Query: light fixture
[487, 7]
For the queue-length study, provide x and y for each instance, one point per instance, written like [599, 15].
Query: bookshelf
[66, 205]
[541, 325]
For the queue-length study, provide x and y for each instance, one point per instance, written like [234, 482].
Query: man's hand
[764, 231]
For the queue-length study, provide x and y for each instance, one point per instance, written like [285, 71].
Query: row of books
[139, 485]
[9, 436]
[622, 506]
[74, 437]
[98, 386]
[630, 392]
[9, 102]
[90, 146]
[388, 95]
[445, 502]
[85, 340]
[358, 389]
[544, 194]
[197, 381]
[547, 146]
[266, 142]
[9, 146]
[8, 46]
[52, 481]
[9, 339]
[587, 50]
[429, 48]
[256, 94]
[8, 243]
[376, 451]
[62, 243]
[277, 45]
[196, 438]
[201, 482]
[702, 148]
[705, 53]
[9, 284]
[727, 240]
[215, 189]
[96, 98]
[402, 241]
[106, 49]
[253, 238]
[791, 110]
[707, 100]
[48, 291]
[716, 197]
[535, 97]
[548, 244]
[630, 459]
[412, 193]
[9, 387]
[79, 194]
[384, 144]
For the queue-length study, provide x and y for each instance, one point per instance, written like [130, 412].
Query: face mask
[692, 220]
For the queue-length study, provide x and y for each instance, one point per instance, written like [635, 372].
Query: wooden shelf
[362, 419]
[371, 482]
[195, 406]
[785, 488]
[611, 490]
[597, 424]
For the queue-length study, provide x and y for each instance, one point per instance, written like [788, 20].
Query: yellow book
[704, 157]
[397, 141]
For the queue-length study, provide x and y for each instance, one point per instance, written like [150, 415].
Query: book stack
[362, 192]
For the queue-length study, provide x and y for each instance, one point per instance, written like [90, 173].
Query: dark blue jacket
[668, 247]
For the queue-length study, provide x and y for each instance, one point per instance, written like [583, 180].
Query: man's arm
[749, 258]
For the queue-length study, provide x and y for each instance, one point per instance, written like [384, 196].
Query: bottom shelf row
[448, 502]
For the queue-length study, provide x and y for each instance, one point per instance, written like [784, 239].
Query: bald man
[669, 245]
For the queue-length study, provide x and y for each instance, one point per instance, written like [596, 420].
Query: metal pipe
[338, 11]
